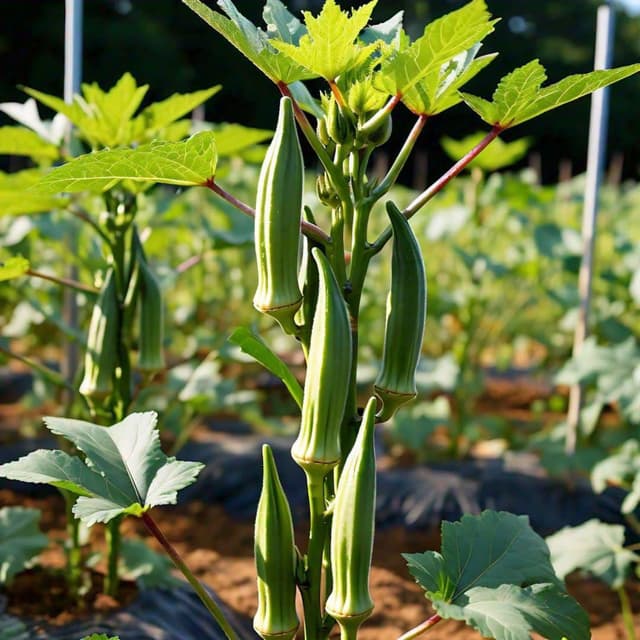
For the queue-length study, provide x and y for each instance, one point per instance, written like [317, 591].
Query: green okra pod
[151, 338]
[352, 531]
[277, 223]
[406, 312]
[102, 342]
[276, 558]
[317, 447]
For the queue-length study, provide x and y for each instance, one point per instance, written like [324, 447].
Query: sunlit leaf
[520, 95]
[190, 162]
[18, 141]
[251, 41]
[13, 267]
[329, 47]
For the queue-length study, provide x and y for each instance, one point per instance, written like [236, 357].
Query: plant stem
[401, 159]
[421, 628]
[207, 600]
[311, 230]
[74, 552]
[113, 539]
[627, 613]
[313, 600]
[439, 184]
[65, 282]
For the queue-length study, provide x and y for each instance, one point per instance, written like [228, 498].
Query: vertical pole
[595, 161]
[72, 79]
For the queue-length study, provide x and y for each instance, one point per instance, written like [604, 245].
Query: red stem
[311, 230]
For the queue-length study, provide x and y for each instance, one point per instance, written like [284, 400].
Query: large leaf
[20, 540]
[595, 547]
[251, 41]
[494, 572]
[253, 345]
[13, 267]
[127, 471]
[510, 612]
[424, 61]
[329, 47]
[56, 468]
[520, 95]
[18, 141]
[190, 162]
[488, 550]
[622, 469]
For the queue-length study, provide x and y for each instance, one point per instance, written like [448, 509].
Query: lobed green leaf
[190, 162]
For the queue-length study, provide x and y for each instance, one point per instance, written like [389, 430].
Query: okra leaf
[13, 267]
[520, 95]
[511, 612]
[423, 61]
[189, 162]
[233, 138]
[252, 345]
[56, 468]
[18, 141]
[488, 550]
[251, 41]
[623, 469]
[20, 540]
[494, 572]
[147, 567]
[595, 547]
[330, 47]
[165, 112]
[136, 475]
[498, 155]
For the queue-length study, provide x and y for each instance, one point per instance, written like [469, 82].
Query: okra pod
[406, 312]
[102, 342]
[317, 447]
[352, 531]
[276, 558]
[277, 223]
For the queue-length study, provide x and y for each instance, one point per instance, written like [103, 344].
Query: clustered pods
[277, 223]
[406, 312]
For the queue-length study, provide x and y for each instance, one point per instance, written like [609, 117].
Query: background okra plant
[493, 571]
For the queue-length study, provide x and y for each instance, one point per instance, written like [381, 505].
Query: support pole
[595, 161]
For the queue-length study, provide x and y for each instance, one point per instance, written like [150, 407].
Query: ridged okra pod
[406, 311]
[151, 337]
[352, 531]
[102, 342]
[276, 558]
[277, 222]
[317, 447]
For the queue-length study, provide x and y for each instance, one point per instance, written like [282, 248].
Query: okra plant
[493, 572]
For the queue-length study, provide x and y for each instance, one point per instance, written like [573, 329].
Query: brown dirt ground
[219, 550]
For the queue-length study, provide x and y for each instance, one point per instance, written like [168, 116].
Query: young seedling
[368, 71]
